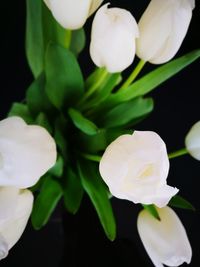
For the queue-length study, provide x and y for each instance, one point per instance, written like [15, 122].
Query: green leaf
[126, 112]
[21, 110]
[37, 99]
[43, 121]
[180, 202]
[53, 31]
[34, 36]
[77, 41]
[58, 168]
[153, 79]
[152, 210]
[46, 202]
[82, 123]
[98, 194]
[104, 91]
[64, 79]
[60, 136]
[93, 77]
[73, 191]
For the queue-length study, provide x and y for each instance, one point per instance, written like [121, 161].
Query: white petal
[165, 241]
[113, 39]
[94, 5]
[71, 14]
[12, 228]
[163, 27]
[135, 167]
[3, 248]
[8, 201]
[27, 152]
[192, 141]
[47, 2]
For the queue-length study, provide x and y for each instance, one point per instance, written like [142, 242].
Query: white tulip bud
[192, 141]
[163, 27]
[135, 167]
[72, 14]
[13, 224]
[26, 153]
[165, 241]
[113, 38]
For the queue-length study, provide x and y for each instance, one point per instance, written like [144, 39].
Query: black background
[81, 239]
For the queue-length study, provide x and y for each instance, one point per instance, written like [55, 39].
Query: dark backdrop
[177, 108]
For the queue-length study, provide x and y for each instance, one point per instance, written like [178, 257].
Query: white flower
[12, 224]
[192, 141]
[165, 241]
[72, 14]
[163, 27]
[135, 167]
[113, 38]
[26, 153]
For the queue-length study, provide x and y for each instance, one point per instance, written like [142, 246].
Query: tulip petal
[113, 39]
[192, 141]
[71, 14]
[3, 248]
[94, 5]
[8, 201]
[27, 152]
[165, 241]
[12, 228]
[163, 27]
[135, 167]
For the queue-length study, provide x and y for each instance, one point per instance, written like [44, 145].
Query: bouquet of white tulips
[74, 134]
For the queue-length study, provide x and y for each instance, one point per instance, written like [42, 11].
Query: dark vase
[85, 243]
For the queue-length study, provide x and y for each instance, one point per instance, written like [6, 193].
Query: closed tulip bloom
[13, 223]
[72, 14]
[163, 27]
[192, 141]
[135, 167]
[113, 39]
[165, 241]
[26, 153]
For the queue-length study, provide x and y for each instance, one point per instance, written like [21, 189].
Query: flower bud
[135, 167]
[13, 224]
[113, 39]
[165, 241]
[163, 27]
[192, 141]
[72, 14]
[26, 153]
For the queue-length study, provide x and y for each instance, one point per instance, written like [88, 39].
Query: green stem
[95, 86]
[178, 153]
[133, 75]
[90, 157]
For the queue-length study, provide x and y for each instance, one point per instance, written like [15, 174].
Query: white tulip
[163, 27]
[113, 38]
[165, 241]
[192, 141]
[135, 167]
[26, 153]
[72, 14]
[13, 225]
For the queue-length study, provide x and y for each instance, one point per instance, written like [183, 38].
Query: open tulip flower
[15, 209]
[26, 153]
[165, 241]
[163, 27]
[135, 167]
[72, 14]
